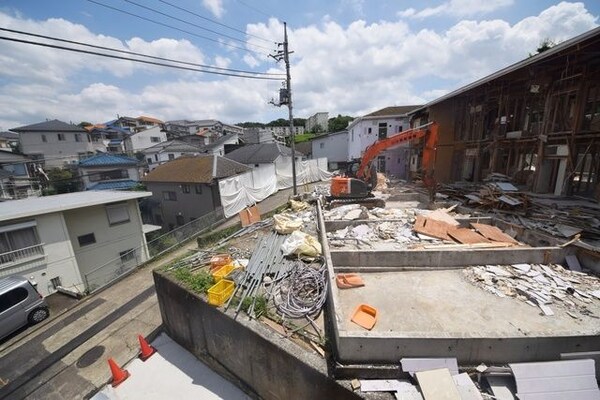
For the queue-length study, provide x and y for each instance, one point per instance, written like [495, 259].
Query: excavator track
[368, 202]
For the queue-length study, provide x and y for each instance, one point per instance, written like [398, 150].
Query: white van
[20, 304]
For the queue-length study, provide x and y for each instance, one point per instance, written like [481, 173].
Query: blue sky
[351, 56]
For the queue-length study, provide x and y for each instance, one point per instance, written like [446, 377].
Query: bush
[198, 282]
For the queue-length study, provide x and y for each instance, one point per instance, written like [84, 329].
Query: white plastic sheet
[241, 191]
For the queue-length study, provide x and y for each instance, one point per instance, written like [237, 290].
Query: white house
[163, 152]
[334, 147]
[143, 139]
[55, 142]
[78, 241]
[366, 130]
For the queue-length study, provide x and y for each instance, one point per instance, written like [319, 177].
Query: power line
[214, 22]
[194, 25]
[176, 28]
[136, 54]
[136, 60]
[254, 8]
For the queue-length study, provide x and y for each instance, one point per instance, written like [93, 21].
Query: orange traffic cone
[147, 350]
[118, 374]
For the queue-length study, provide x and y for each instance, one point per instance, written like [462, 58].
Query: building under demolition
[537, 121]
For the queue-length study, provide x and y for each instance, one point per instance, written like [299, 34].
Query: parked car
[20, 304]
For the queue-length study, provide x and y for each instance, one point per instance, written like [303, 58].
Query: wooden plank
[442, 216]
[437, 384]
[432, 228]
[466, 236]
[493, 233]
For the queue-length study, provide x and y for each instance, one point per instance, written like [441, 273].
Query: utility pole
[285, 98]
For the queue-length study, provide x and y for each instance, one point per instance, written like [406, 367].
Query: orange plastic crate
[220, 292]
[222, 272]
[219, 260]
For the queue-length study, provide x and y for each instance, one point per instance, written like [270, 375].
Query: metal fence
[107, 273]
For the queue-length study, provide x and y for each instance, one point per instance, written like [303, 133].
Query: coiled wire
[302, 291]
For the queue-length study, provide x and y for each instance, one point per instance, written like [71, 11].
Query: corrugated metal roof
[197, 169]
[49, 126]
[114, 185]
[556, 380]
[521, 64]
[101, 160]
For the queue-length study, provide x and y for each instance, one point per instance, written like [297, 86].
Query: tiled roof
[49, 126]
[149, 119]
[260, 153]
[394, 110]
[102, 160]
[114, 185]
[195, 169]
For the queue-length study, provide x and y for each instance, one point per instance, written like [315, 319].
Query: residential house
[333, 146]
[107, 138]
[133, 125]
[54, 143]
[261, 156]
[208, 128]
[109, 172]
[17, 179]
[366, 130]
[187, 188]
[318, 122]
[141, 140]
[213, 145]
[537, 121]
[76, 240]
[8, 141]
[163, 152]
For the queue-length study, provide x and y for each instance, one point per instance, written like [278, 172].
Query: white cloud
[215, 7]
[355, 5]
[222, 62]
[457, 8]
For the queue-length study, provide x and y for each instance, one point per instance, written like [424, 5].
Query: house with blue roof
[109, 172]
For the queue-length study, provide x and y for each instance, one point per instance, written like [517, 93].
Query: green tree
[62, 180]
[83, 124]
[339, 123]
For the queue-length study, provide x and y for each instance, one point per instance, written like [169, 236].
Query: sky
[350, 57]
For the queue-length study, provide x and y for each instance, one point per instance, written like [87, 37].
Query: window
[19, 241]
[85, 240]
[109, 175]
[198, 189]
[78, 137]
[154, 139]
[117, 214]
[61, 137]
[171, 156]
[256, 165]
[89, 139]
[12, 298]
[321, 145]
[44, 139]
[127, 255]
[185, 188]
[382, 130]
[156, 157]
[170, 196]
[369, 130]
[149, 160]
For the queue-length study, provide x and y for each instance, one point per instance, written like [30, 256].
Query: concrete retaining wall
[266, 365]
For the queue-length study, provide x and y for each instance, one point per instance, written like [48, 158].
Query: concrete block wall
[266, 365]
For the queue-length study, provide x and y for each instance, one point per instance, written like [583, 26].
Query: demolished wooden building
[537, 121]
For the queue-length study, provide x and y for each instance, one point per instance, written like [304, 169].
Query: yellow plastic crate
[222, 272]
[220, 292]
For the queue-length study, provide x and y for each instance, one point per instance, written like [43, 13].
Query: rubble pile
[539, 285]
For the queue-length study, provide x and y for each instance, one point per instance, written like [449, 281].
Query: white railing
[22, 254]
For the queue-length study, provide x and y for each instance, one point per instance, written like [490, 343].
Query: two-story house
[366, 130]
[167, 151]
[141, 140]
[54, 143]
[79, 241]
[187, 188]
[109, 172]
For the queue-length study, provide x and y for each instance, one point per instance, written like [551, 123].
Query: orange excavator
[356, 186]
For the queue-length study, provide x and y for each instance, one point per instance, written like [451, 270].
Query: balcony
[21, 256]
